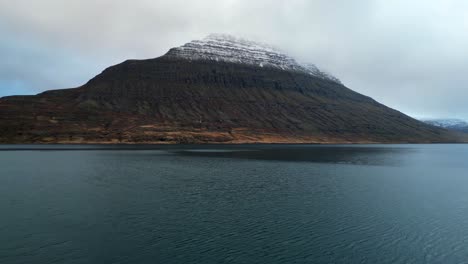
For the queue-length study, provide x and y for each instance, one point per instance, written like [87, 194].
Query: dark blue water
[234, 204]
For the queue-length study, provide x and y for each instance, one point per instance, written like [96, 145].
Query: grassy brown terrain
[167, 100]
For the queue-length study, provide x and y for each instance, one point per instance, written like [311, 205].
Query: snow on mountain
[446, 122]
[227, 48]
[453, 124]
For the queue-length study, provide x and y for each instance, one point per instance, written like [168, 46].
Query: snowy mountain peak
[450, 123]
[227, 48]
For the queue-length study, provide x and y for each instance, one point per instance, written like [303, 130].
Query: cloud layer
[410, 55]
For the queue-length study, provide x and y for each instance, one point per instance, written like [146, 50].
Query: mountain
[450, 124]
[220, 89]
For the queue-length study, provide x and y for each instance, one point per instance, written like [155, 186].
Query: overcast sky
[409, 55]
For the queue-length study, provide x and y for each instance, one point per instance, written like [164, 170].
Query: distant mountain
[220, 89]
[451, 124]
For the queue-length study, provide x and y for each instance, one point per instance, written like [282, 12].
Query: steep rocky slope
[217, 90]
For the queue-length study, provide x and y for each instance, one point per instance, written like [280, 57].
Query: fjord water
[234, 204]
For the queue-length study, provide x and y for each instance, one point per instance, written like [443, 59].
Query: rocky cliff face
[217, 90]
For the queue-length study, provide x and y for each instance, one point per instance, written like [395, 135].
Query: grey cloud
[407, 54]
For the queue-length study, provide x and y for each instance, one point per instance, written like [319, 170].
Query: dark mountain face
[195, 95]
